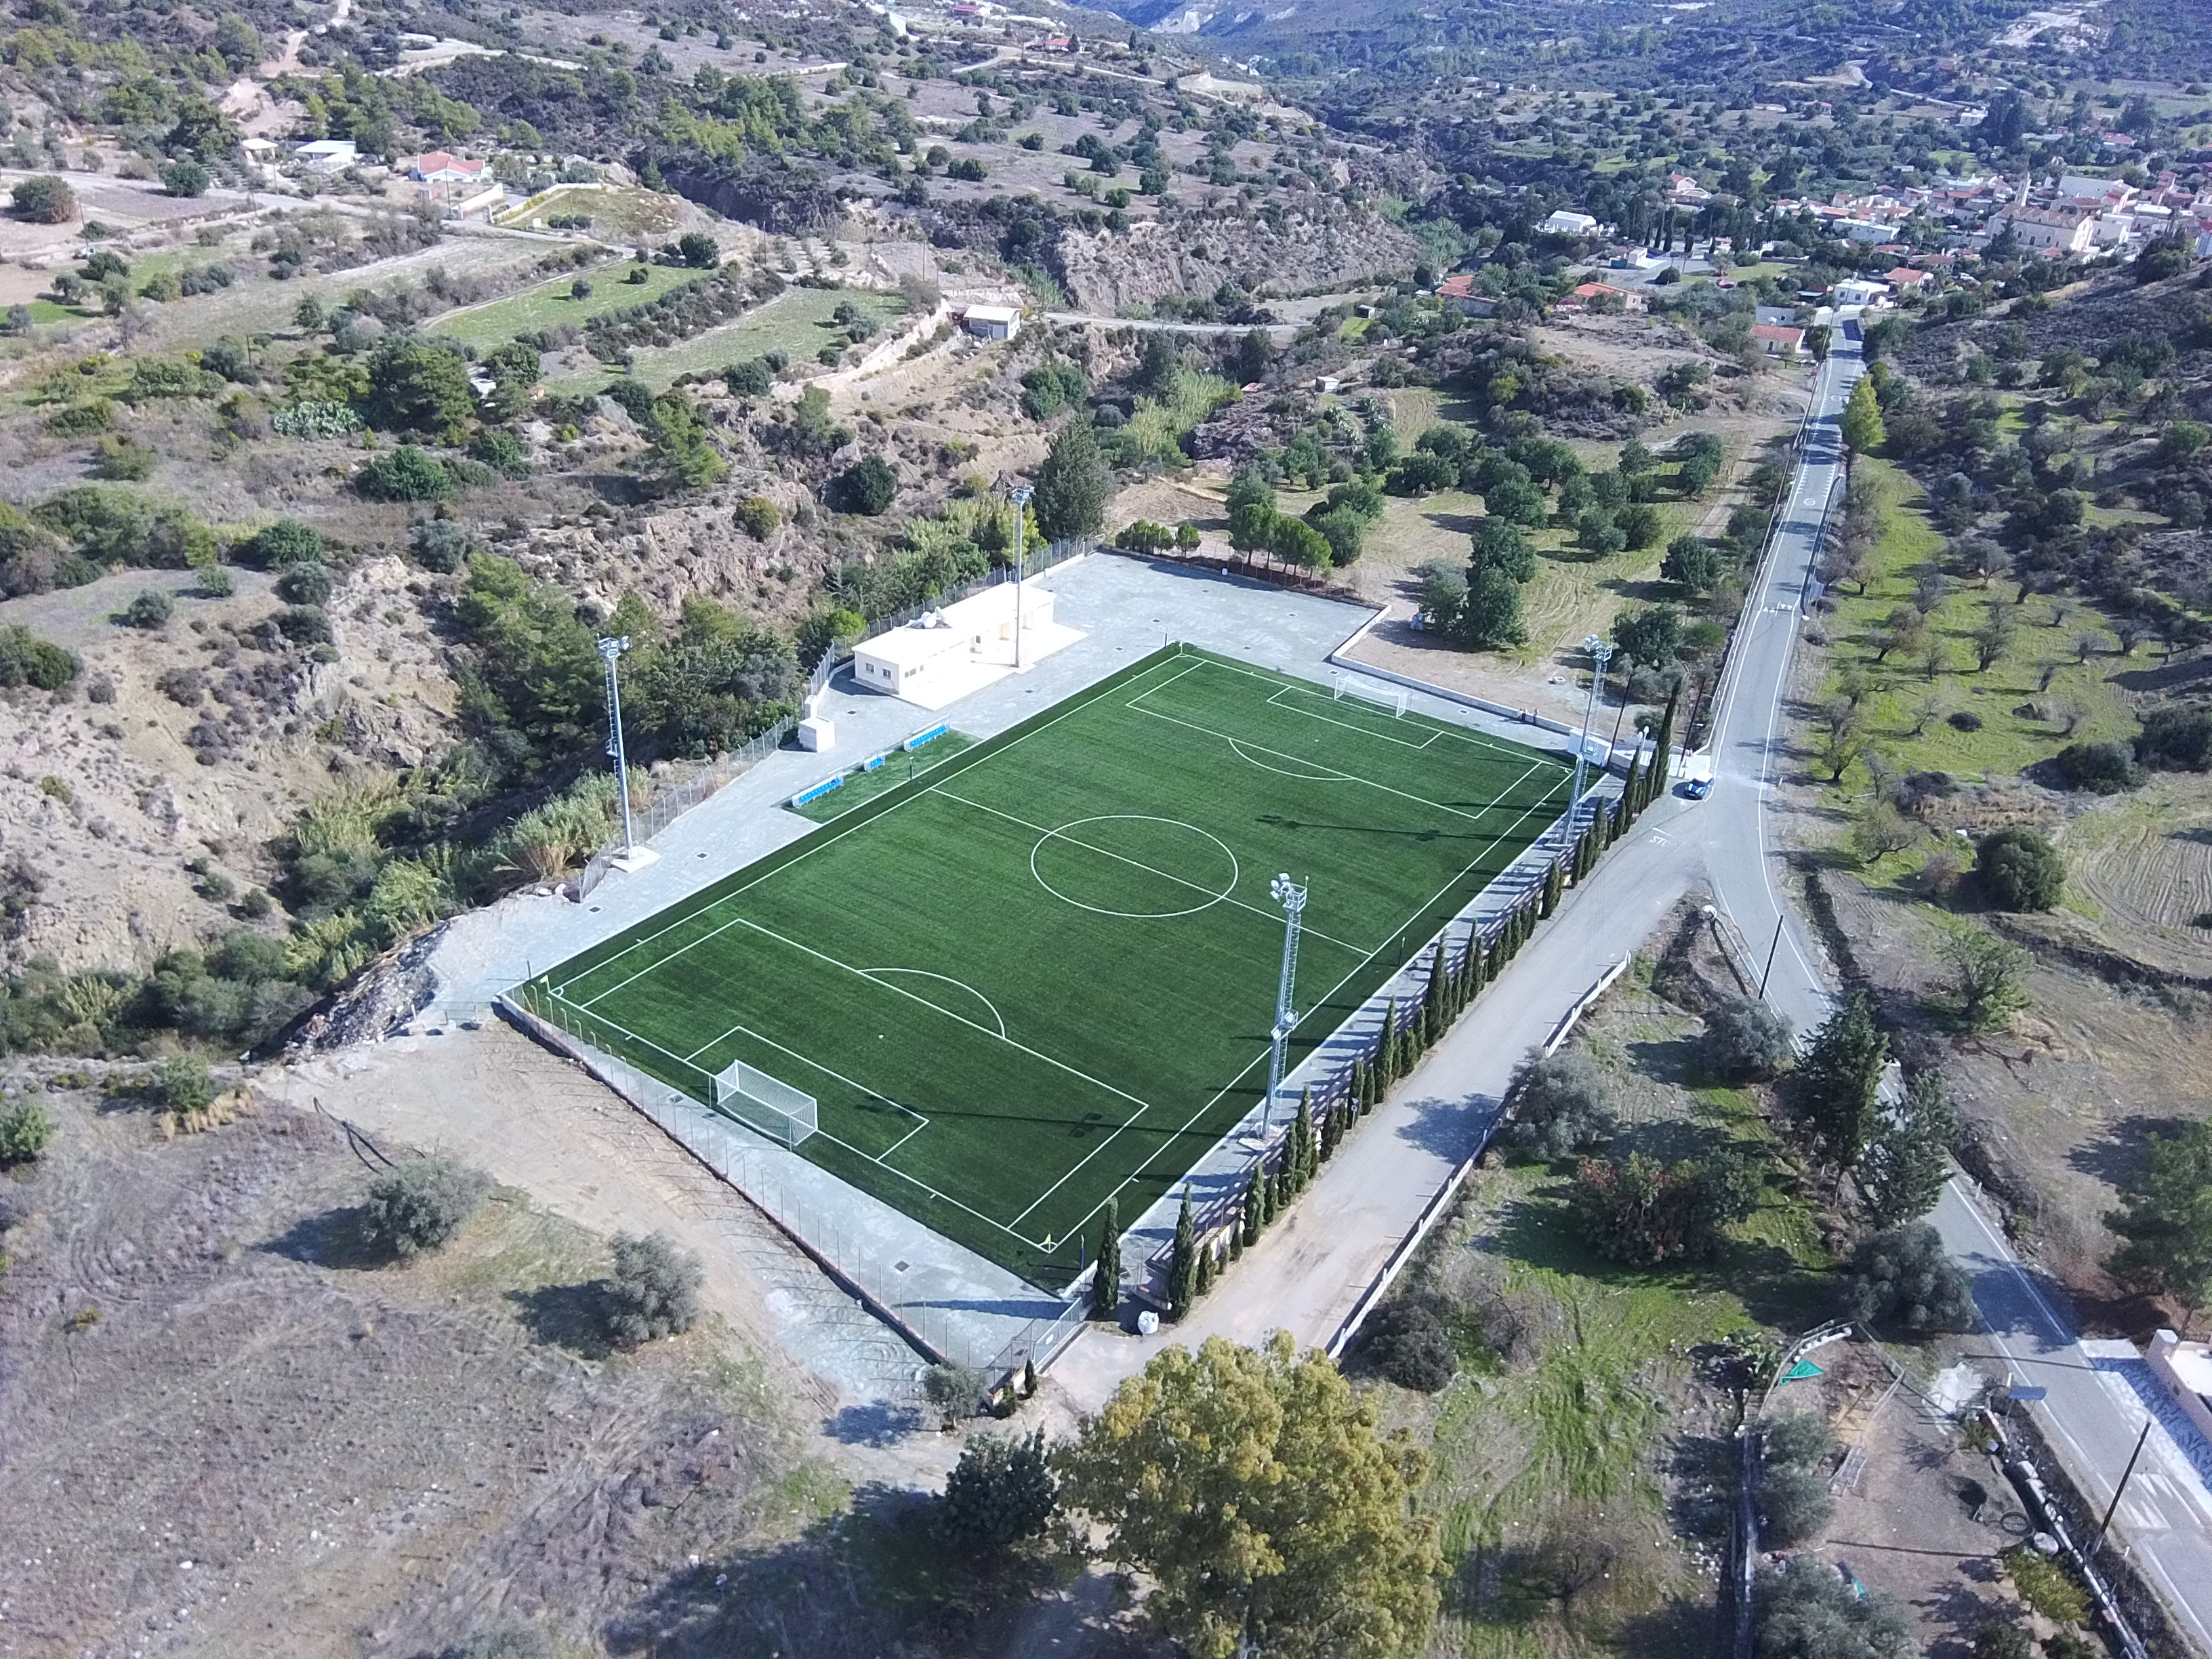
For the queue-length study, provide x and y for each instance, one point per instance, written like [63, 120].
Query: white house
[948, 653]
[1861, 293]
[991, 322]
[328, 155]
[1564, 223]
[2047, 230]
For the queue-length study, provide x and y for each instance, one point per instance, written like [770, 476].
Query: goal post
[776, 1109]
[1362, 690]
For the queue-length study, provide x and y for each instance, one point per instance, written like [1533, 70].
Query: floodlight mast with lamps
[1020, 497]
[1292, 897]
[611, 650]
[1600, 651]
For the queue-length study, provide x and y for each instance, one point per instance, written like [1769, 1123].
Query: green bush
[43, 200]
[502, 452]
[1903, 1278]
[868, 486]
[288, 542]
[758, 516]
[25, 1132]
[404, 475]
[999, 1493]
[1747, 1039]
[2046, 1585]
[1410, 1345]
[1558, 1105]
[151, 609]
[654, 1292]
[26, 659]
[422, 1204]
[2103, 768]
[185, 178]
[750, 379]
[2019, 870]
[304, 583]
[180, 1084]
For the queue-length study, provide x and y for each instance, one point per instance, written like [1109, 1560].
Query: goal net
[1365, 690]
[776, 1109]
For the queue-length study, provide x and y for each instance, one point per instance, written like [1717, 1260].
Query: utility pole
[1771, 949]
[1020, 497]
[1600, 651]
[611, 650]
[2113, 1508]
[1292, 898]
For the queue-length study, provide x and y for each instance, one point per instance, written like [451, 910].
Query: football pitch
[1041, 974]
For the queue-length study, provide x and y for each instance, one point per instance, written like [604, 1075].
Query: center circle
[1135, 866]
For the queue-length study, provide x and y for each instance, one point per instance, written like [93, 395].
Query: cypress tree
[1629, 790]
[1555, 883]
[1386, 1051]
[1663, 760]
[1358, 1084]
[1106, 1286]
[1183, 1262]
[1477, 967]
[1028, 1379]
[1209, 1268]
[1331, 1131]
[1298, 1146]
[1270, 1193]
[1435, 1016]
[1248, 1228]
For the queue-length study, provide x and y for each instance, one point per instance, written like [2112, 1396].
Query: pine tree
[1554, 884]
[1073, 485]
[1106, 1286]
[1183, 1262]
[1835, 1085]
[1249, 1224]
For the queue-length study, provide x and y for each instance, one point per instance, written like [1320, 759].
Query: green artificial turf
[1042, 973]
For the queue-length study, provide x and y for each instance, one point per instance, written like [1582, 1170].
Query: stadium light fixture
[611, 650]
[1019, 494]
[1292, 897]
[1600, 651]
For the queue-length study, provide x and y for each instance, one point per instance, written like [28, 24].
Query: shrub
[1560, 1104]
[27, 659]
[2176, 737]
[422, 1203]
[502, 452]
[185, 178]
[1903, 1277]
[1965, 721]
[750, 379]
[216, 583]
[151, 609]
[2019, 870]
[506, 1642]
[404, 475]
[2046, 1585]
[43, 200]
[1794, 1504]
[758, 516]
[1748, 1039]
[654, 1292]
[2104, 768]
[1807, 1611]
[123, 459]
[180, 1084]
[25, 1132]
[1409, 1346]
[288, 542]
[2002, 1638]
[868, 486]
[1000, 1492]
[304, 583]
[304, 624]
[439, 544]
[634, 397]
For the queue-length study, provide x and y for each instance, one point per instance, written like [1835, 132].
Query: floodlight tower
[1019, 494]
[611, 650]
[1600, 651]
[1292, 897]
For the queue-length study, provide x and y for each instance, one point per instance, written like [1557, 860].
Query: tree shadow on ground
[337, 1238]
[1449, 1128]
[2123, 1150]
[1773, 1288]
[571, 1317]
[1961, 1608]
[1676, 1629]
[856, 1585]
[1456, 524]
[1670, 1060]
[878, 1424]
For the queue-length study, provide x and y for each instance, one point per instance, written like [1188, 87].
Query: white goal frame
[779, 1111]
[1362, 690]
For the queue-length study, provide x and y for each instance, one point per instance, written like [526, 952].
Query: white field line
[1276, 702]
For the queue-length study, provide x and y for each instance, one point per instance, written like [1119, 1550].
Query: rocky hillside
[1316, 244]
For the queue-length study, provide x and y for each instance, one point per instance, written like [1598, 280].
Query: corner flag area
[1041, 974]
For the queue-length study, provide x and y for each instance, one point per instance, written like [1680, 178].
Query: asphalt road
[2093, 1408]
